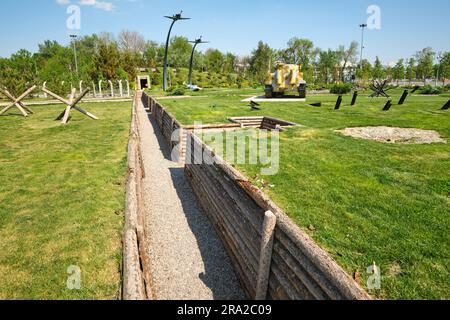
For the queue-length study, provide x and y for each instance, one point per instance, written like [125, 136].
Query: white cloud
[102, 5]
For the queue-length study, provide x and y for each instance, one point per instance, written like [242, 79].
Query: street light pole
[73, 36]
[174, 19]
[440, 58]
[191, 65]
[362, 26]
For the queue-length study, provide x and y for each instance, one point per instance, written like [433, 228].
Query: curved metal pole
[191, 65]
[166, 57]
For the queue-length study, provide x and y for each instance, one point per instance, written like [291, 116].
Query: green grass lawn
[368, 201]
[62, 201]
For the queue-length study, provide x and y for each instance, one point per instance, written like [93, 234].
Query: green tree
[425, 59]
[411, 70]
[444, 66]
[326, 64]
[398, 72]
[106, 61]
[18, 72]
[378, 71]
[230, 61]
[364, 72]
[260, 62]
[153, 55]
[299, 51]
[347, 56]
[179, 52]
[214, 60]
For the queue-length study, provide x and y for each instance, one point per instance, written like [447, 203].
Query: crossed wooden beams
[71, 104]
[379, 89]
[17, 102]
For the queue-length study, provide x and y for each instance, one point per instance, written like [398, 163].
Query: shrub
[343, 88]
[176, 91]
[430, 90]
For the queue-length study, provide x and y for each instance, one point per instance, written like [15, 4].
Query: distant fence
[297, 268]
[431, 82]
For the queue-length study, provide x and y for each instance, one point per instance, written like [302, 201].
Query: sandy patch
[394, 135]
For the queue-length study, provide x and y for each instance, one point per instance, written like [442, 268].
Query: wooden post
[265, 258]
[338, 103]
[355, 96]
[403, 98]
[387, 106]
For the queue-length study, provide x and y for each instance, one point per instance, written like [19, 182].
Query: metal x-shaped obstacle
[17, 102]
[71, 104]
[379, 89]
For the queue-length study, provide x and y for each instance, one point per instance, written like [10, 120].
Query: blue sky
[237, 26]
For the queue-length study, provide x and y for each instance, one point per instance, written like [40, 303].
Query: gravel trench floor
[188, 259]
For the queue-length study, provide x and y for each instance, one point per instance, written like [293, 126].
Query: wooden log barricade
[298, 268]
[17, 102]
[271, 255]
[137, 280]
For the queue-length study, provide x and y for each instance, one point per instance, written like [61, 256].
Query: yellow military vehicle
[286, 78]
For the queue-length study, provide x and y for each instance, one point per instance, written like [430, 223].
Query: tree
[18, 72]
[411, 70]
[214, 60]
[445, 66]
[364, 72]
[130, 63]
[56, 67]
[299, 51]
[260, 61]
[131, 41]
[106, 61]
[378, 71]
[347, 56]
[398, 72]
[326, 64]
[230, 63]
[153, 54]
[425, 59]
[179, 52]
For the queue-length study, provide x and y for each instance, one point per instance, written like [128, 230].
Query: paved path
[188, 260]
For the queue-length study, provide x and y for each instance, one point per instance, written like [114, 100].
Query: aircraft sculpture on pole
[174, 19]
[191, 65]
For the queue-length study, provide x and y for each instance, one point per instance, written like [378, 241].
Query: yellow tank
[286, 78]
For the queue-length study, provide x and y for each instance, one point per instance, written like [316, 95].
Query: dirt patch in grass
[394, 135]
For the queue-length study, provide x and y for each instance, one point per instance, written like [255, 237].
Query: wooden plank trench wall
[272, 256]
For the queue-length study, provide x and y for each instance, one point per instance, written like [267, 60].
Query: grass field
[61, 202]
[367, 201]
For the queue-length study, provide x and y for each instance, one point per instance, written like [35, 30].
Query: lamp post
[73, 36]
[174, 19]
[191, 65]
[362, 26]
[440, 57]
